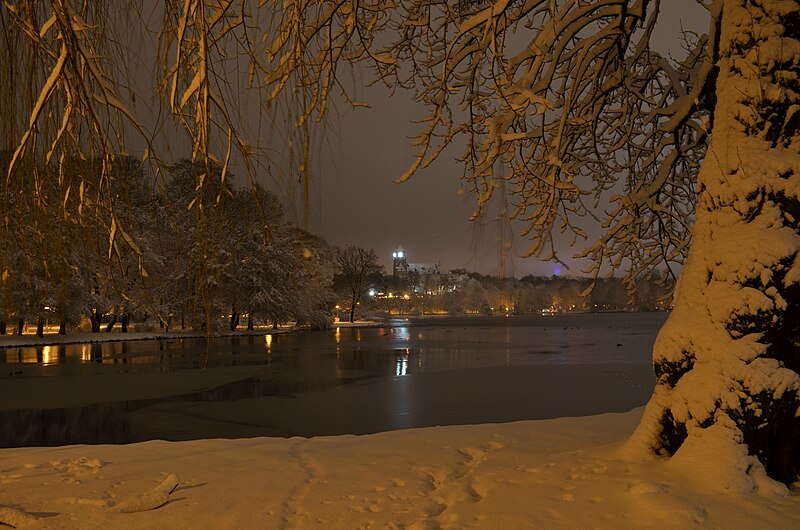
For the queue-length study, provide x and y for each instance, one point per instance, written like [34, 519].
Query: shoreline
[87, 337]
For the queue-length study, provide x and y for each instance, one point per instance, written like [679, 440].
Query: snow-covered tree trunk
[728, 358]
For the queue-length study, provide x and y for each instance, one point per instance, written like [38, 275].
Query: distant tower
[399, 262]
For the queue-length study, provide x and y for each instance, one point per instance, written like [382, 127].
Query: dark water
[408, 373]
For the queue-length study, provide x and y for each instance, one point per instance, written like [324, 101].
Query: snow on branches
[569, 97]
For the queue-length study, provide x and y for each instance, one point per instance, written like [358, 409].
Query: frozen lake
[407, 373]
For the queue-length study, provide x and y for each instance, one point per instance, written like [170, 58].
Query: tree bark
[111, 323]
[3, 327]
[40, 327]
[250, 322]
[234, 318]
[20, 326]
[95, 320]
[125, 322]
[62, 327]
[353, 306]
[728, 357]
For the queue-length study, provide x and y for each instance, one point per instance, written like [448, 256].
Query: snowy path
[563, 473]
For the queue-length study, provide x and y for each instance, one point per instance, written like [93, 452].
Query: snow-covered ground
[562, 473]
[555, 473]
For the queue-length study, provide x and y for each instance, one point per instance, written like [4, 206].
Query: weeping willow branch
[72, 108]
[568, 97]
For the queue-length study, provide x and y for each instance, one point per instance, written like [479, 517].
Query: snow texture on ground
[562, 473]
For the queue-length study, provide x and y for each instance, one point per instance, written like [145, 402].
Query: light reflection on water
[86, 353]
[425, 346]
[47, 355]
[401, 332]
[404, 354]
[401, 364]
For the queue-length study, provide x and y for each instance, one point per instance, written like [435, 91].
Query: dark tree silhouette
[356, 265]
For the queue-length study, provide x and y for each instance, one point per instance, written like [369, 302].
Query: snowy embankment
[563, 473]
[50, 339]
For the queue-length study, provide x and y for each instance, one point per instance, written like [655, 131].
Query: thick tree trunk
[110, 325]
[62, 327]
[727, 360]
[95, 320]
[250, 322]
[125, 322]
[234, 318]
[353, 307]
[3, 327]
[275, 323]
[20, 325]
[40, 327]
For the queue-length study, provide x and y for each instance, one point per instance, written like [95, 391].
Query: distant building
[425, 278]
[399, 262]
[424, 268]
[401, 266]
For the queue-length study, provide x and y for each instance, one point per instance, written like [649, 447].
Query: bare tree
[356, 265]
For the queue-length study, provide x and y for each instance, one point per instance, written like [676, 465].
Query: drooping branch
[569, 97]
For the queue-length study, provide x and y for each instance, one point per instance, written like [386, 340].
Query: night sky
[357, 202]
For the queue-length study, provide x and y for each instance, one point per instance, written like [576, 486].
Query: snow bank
[564, 473]
[49, 339]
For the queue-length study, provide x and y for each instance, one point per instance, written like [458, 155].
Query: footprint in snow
[155, 498]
